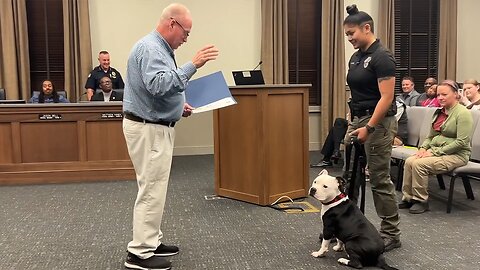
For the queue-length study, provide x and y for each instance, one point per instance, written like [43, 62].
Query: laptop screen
[12, 101]
[248, 77]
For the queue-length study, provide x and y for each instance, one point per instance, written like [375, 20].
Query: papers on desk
[209, 93]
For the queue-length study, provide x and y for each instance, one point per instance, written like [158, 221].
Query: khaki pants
[417, 170]
[378, 149]
[150, 147]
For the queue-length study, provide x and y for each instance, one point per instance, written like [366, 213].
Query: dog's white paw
[320, 253]
[343, 261]
[338, 247]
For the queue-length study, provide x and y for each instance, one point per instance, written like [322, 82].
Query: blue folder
[208, 90]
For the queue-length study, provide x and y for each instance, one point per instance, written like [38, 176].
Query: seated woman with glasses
[445, 148]
[48, 94]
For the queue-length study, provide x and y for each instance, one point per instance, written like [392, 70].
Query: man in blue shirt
[48, 94]
[153, 102]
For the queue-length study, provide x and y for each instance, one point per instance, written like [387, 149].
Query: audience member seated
[102, 70]
[432, 100]
[445, 148]
[428, 83]
[331, 146]
[107, 94]
[402, 120]
[48, 95]
[409, 95]
[470, 96]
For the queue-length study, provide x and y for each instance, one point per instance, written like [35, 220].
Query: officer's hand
[361, 133]
[207, 53]
[187, 110]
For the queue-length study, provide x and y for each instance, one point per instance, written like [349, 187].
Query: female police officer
[371, 78]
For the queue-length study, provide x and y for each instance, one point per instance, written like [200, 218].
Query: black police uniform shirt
[97, 74]
[364, 70]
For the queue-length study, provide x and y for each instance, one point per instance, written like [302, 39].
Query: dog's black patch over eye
[325, 186]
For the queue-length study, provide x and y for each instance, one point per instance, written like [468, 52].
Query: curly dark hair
[55, 96]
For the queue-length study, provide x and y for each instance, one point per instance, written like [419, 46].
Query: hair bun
[352, 9]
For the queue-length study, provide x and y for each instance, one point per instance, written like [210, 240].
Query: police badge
[366, 62]
[113, 75]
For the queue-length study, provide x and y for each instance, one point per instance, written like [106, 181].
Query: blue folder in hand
[209, 93]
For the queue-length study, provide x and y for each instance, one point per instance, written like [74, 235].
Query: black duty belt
[361, 113]
[135, 118]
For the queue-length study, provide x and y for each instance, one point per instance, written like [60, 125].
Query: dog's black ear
[341, 184]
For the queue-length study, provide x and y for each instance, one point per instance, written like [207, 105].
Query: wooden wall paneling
[42, 143]
[82, 140]
[105, 141]
[6, 143]
[16, 145]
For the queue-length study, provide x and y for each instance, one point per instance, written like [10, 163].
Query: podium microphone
[259, 63]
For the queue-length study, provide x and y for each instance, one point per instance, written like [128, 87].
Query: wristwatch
[370, 129]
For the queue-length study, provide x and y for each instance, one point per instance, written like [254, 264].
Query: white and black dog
[342, 219]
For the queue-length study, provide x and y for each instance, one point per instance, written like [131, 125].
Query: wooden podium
[261, 144]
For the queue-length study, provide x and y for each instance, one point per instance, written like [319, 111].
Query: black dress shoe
[164, 251]
[134, 262]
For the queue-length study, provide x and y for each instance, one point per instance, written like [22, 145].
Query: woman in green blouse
[446, 148]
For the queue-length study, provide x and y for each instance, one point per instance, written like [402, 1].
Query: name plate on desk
[111, 115]
[50, 116]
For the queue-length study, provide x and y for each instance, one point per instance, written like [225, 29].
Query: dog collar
[336, 199]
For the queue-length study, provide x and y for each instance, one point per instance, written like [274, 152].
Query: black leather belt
[135, 118]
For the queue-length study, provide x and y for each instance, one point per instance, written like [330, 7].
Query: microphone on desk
[259, 63]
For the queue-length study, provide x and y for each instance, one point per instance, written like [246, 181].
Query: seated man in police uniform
[104, 69]
[107, 94]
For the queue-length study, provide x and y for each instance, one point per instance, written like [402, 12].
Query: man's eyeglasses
[106, 82]
[185, 32]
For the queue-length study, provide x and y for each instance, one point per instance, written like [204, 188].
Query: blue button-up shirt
[48, 99]
[154, 84]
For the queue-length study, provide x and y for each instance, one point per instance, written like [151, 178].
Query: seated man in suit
[103, 69]
[107, 94]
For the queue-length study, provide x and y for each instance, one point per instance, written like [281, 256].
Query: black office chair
[63, 93]
[118, 90]
[3, 96]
